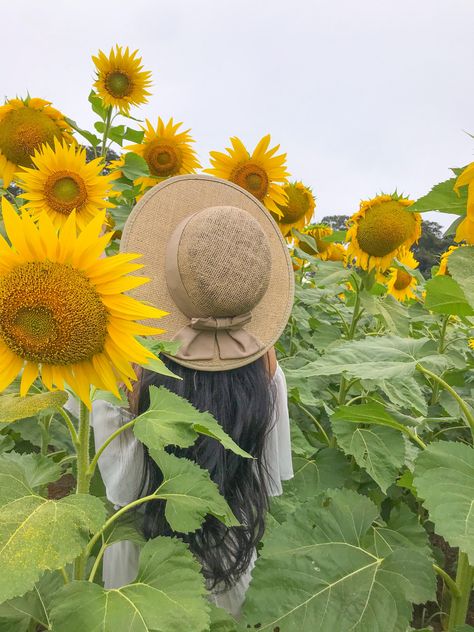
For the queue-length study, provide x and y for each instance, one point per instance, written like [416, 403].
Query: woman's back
[227, 555]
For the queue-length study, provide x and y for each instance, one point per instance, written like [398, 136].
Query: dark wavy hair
[242, 401]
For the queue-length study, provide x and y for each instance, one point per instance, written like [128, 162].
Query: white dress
[121, 467]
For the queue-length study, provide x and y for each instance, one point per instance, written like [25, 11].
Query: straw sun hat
[218, 264]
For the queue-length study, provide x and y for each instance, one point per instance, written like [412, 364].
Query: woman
[219, 266]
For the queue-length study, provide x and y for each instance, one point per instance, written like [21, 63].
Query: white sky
[363, 95]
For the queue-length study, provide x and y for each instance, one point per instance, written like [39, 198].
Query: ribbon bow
[200, 337]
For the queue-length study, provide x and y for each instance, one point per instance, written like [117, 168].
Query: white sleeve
[121, 463]
[278, 445]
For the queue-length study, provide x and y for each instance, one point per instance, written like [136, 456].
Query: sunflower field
[375, 532]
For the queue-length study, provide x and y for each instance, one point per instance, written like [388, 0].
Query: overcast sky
[364, 96]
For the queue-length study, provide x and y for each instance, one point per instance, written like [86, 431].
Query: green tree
[336, 222]
[431, 245]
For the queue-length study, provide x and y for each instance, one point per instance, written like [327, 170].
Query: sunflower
[466, 178]
[317, 232]
[443, 262]
[63, 314]
[465, 230]
[64, 181]
[167, 151]
[337, 252]
[263, 173]
[121, 82]
[379, 229]
[298, 209]
[25, 125]
[401, 283]
[471, 343]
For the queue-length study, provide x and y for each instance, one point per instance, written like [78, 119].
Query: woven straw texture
[213, 246]
[237, 270]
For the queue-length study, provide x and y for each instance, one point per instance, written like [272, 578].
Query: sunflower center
[164, 159]
[403, 280]
[65, 191]
[51, 314]
[118, 84]
[297, 206]
[252, 178]
[385, 227]
[24, 130]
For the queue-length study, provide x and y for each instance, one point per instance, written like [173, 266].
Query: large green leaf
[37, 534]
[221, 621]
[38, 469]
[375, 358]
[403, 530]
[442, 198]
[134, 166]
[378, 449]
[13, 407]
[461, 268]
[318, 572]
[15, 614]
[171, 420]
[189, 493]
[167, 595]
[405, 393]
[328, 469]
[444, 478]
[445, 296]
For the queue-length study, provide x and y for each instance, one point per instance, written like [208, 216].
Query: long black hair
[242, 401]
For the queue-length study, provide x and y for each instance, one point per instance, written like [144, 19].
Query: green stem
[462, 404]
[341, 398]
[106, 132]
[115, 517]
[108, 441]
[316, 422]
[63, 572]
[448, 580]
[356, 314]
[342, 319]
[100, 555]
[460, 605]
[33, 625]
[414, 437]
[70, 425]
[442, 335]
[44, 425]
[83, 478]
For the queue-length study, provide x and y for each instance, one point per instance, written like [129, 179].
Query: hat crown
[224, 260]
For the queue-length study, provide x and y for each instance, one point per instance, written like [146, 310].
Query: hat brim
[148, 229]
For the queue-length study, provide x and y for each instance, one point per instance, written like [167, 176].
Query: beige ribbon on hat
[204, 335]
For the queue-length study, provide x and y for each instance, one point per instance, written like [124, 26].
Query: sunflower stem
[108, 121]
[44, 425]
[97, 561]
[460, 604]
[356, 314]
[70, 425]
[108, 441]
[83, 478]
[116, 516]
[315, 422]
[448, 581]
[462, 404]
[441, 348]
